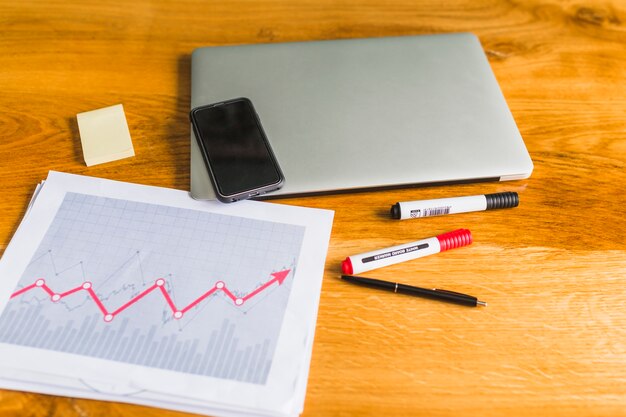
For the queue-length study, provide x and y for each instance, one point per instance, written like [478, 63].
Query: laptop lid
[373, 113]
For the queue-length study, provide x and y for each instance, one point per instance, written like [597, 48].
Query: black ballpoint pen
[434, 294]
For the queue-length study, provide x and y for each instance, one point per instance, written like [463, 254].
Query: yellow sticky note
[104, 135]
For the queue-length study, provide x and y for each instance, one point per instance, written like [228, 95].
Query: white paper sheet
[160, 299]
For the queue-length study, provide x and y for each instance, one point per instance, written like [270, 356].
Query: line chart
[159, 284]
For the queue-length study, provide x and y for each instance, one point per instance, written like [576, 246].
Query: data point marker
[108, 317]
[178, 314]
[55, 297]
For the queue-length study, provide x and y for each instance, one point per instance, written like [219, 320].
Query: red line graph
[178, 313]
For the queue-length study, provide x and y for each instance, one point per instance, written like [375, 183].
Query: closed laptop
[362, 114]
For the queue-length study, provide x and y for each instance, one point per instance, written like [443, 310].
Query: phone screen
[236, 148]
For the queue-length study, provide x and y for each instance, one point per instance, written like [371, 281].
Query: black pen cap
[502, 200]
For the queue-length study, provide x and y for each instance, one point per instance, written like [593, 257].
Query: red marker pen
[363, 262]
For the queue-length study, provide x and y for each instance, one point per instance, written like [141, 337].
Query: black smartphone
[236, 151]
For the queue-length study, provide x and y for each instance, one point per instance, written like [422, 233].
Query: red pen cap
[454, 239]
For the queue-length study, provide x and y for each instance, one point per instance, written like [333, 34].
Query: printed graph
[158, 286]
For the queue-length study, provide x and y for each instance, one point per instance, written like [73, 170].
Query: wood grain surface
[552, 341]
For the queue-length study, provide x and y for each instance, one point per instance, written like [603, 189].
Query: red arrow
[278, 277]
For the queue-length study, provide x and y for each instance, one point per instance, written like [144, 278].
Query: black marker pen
[441, 206]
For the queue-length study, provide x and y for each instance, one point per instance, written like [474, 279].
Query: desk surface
[551, 342]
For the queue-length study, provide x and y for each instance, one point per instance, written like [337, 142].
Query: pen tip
[481, 303]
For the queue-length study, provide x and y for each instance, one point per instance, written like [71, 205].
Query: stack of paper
[121, 292]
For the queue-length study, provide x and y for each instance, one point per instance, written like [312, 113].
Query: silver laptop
[364, 114]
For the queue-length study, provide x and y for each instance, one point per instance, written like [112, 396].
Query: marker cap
[502, 200]
[454, 239]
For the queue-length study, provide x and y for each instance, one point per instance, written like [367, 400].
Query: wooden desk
[552, 341]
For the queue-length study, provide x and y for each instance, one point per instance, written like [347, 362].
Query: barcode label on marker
[428, 212]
